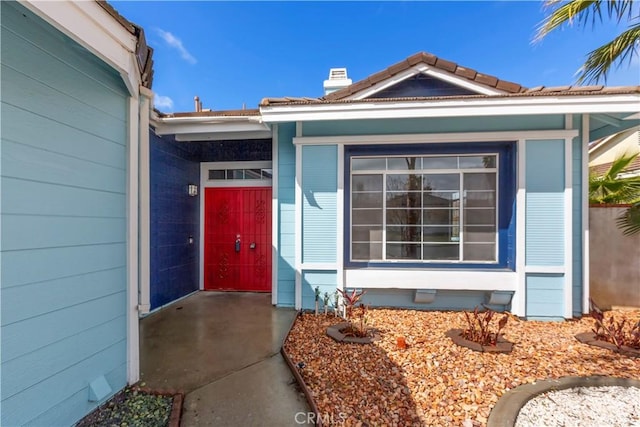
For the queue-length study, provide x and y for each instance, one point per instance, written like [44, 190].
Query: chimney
[197, 103]
[337, 80]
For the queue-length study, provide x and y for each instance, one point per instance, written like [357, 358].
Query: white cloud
[160, 101]
[176, 43]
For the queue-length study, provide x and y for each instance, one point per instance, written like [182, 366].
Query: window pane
[267, 173]
[403, 200]
[440, 162]
[479, 217]
[403, 234]
[367, 216]
[235, 173]
[441, 216]
[366, 183]
[435, 252]
[359, 164]
[366, 251]
[441, 234]
[403, 216]
[404, 182]
[366, 233]
[480, 199]
[479, 252]
[367, 200]
[480, 181]
[485, 162]
[480, 233]
[217, 173]
[439, 182]
[403, 163]
[252, 174]
[442, 199]
[403, 251]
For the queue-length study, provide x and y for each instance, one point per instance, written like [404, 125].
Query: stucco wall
[614, 260]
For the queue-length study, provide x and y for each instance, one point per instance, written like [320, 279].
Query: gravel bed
[583, 406]
[435, 382]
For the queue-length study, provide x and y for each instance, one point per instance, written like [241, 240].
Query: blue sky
[235, 53]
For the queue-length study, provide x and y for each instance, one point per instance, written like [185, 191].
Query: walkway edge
[296, 374]
[505, 412]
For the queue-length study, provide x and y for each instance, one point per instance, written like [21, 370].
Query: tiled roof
[600, 170]
[510, 89]
[219, 113]
[431, 60]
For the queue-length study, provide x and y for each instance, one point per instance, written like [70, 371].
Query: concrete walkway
[223, 351]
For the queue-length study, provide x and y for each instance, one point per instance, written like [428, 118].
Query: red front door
[237, 239]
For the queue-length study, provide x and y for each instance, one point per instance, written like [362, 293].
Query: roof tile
[466, 72]
[486, 80]
[508, 86]
[379, 76]
[443, 64]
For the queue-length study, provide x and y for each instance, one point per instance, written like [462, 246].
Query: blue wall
[234, 151]
[174, 217]
[63, 285]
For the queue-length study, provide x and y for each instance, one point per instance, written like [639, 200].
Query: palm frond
[629, 221]
[600, 60]
[567, 13]
[610, 188]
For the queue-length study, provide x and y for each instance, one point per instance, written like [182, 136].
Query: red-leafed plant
[479, 328]
[354, 311]
[617, 332]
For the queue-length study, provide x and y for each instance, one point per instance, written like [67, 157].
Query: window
[424, 208]
[243, 174]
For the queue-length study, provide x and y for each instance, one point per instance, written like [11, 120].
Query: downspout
[144, 302]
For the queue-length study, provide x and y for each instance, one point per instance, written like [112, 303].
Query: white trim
[469, 107]
[298, 222]
[568, 223]
[340, 219]
[89, 25]
[519, 301]
[145, 213]
[133, 331]
[221, 135]
[431, 279]
[308, 266]
[585, 214]
[426, 138]
[423, 68]
[275, 250]
[545, 269]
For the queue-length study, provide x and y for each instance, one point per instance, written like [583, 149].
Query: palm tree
[621, 48]
[611, 188]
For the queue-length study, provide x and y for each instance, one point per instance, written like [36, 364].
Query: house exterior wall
[551, 186]
[174, 216]
[63, 246]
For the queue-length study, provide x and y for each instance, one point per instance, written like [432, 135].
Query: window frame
[504, 193]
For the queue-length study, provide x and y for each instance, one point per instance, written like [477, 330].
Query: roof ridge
[431, 60]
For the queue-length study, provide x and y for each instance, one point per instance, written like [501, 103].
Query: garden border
[505, 412]
[176, 406]
[307, 392]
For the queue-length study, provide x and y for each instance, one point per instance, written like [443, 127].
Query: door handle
[238, 243]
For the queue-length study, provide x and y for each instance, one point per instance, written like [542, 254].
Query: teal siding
[577, 291]
[319, 214]
[63, 177]
[544, 233]
[445, 300]
[432, 125]
[286, 215]
[326, 281]
[545, 296]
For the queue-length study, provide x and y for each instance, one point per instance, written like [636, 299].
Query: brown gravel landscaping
[434, 382]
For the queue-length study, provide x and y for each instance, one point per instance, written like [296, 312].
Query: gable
[422, 85]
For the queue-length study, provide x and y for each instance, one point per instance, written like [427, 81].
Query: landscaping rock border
[176, 406]
[505, 412]
[502, 346]
[590, 339]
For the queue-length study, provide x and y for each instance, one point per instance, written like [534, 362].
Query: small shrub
[479, 327]
[356, 312]
[617, 332]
